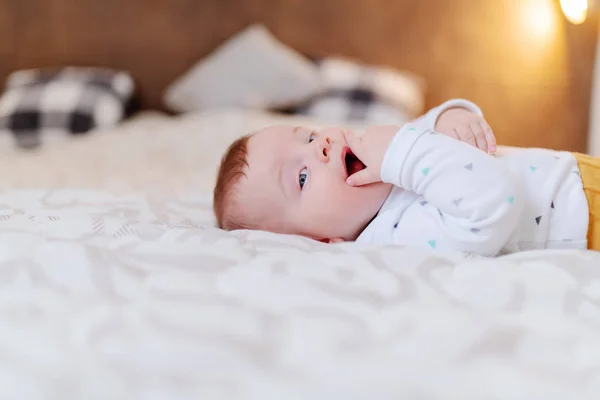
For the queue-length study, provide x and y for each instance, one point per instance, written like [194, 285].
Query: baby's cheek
[338, 194]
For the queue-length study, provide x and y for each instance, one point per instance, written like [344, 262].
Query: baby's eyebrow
[280, 180]
[282, 177]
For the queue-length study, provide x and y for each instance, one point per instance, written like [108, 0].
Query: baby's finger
[452, 134]
[361, 178]
[491, 138]
[466, 135]
[354, 142]
[479, 135]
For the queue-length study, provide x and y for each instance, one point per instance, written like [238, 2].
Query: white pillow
[251, 70]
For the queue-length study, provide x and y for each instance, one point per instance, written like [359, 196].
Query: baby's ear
[332, 241]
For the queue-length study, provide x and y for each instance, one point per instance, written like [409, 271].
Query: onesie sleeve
[468, 200]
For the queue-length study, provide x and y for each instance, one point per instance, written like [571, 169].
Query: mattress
[152, 153]
[121, 288]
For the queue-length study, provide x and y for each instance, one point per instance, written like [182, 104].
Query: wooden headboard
[530, 70]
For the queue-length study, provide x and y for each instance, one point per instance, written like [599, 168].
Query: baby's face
[296, 180]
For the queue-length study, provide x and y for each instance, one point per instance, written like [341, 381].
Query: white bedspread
[133, 296]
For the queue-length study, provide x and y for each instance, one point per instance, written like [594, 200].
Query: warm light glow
[539, 17]
[575, 10]
[538, 42]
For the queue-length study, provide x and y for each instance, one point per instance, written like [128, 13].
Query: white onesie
[449, 195]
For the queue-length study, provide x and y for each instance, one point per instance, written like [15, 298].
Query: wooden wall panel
[7, 31]
[531, 75]
[6, 26]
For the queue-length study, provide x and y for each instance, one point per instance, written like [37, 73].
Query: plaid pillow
[68, 101]
[374, 95]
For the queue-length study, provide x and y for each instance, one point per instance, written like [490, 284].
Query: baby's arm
[461, 120]
[469, 201]
[477, 198]
[430, 119]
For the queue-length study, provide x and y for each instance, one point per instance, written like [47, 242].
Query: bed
[123, 288]
[116, 284]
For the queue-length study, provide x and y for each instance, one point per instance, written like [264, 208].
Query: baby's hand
[468, 127]
[370, 149]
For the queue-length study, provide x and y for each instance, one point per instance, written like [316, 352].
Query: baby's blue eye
[311, 137]
[303, 177]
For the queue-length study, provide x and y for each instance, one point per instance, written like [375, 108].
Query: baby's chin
[362, 218]
[360, 228]
[353, 228]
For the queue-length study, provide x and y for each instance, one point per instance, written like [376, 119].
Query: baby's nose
[323, 149]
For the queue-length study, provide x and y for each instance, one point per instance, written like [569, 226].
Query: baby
[416, 185]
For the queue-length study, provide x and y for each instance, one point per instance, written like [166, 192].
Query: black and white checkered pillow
[353, 92]
[67, 101]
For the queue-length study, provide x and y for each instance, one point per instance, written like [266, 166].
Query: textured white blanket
[133, 297]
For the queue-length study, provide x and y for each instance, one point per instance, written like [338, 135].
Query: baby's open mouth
[352, 163]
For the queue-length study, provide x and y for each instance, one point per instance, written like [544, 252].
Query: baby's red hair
[233, 168]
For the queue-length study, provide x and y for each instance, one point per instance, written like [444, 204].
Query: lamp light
[576, 11]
